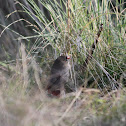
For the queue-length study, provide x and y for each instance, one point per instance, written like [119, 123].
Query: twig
[70, 106]
[89, 56]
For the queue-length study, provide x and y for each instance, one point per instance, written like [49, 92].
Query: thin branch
[91, 51]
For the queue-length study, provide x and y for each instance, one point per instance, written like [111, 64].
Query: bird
[59, 76]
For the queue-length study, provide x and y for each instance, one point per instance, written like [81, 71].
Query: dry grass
[26, 105]
[26, 62]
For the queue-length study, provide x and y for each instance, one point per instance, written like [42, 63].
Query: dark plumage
[59, 76]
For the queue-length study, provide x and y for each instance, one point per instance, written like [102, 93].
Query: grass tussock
[28, 105]
[70, 27]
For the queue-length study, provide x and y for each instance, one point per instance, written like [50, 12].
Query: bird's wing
[54, 82]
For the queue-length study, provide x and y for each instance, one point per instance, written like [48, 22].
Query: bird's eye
[66, 58]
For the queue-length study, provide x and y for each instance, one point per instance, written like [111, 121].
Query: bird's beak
[68, 57]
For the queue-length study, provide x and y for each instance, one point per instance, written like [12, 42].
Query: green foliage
[72, 30]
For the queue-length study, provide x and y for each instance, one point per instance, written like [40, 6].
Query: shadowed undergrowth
[28, 56]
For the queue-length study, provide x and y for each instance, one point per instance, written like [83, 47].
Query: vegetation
[69, 28]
